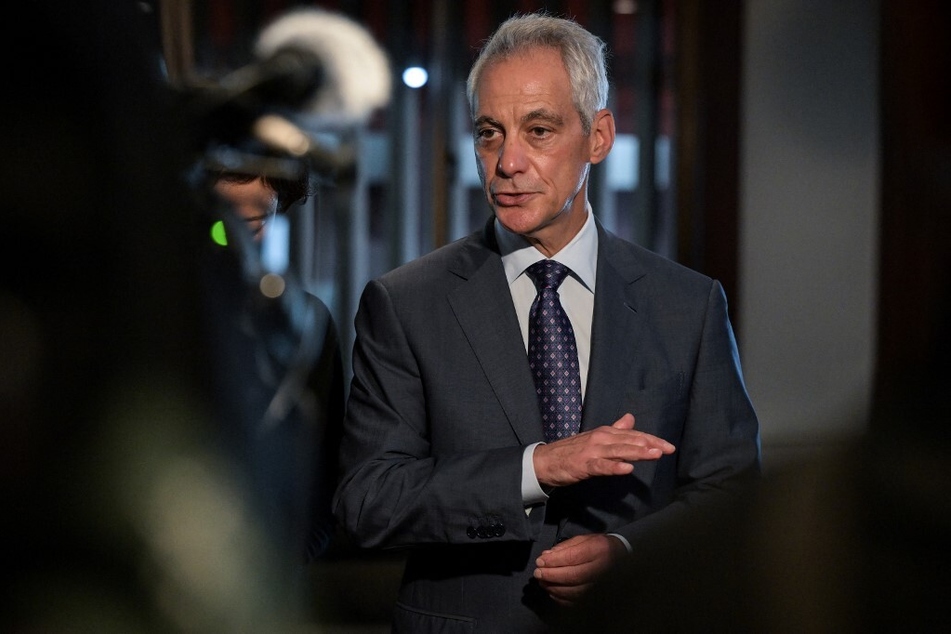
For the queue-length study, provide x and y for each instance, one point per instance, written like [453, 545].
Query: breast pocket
[659, 409]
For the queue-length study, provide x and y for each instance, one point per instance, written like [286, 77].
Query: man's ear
[602, 135]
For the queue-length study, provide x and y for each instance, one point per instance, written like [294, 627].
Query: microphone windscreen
[356, 71]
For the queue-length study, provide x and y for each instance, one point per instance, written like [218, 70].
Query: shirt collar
[580, 254]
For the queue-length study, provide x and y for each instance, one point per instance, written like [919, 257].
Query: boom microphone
[314, 71]
[355, 71]
[286, 79]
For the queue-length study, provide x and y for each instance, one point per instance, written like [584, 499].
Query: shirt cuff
[624, 541]
[532, 492]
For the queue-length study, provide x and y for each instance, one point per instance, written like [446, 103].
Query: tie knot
[547, 274]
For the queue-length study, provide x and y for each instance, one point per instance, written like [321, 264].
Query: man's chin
[520, 220]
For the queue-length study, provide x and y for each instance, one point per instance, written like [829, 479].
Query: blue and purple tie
[553, 353]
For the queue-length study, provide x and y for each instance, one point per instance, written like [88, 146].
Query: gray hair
[582, 52]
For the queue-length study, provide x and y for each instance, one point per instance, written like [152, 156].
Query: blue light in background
[415, 76]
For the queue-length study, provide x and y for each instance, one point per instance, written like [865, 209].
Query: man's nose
[511, 157]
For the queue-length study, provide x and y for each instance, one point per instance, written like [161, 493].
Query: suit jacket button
[481, 532]
[471, 532]
[498, 529]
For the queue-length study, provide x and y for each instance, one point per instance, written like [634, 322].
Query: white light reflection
[415, 77]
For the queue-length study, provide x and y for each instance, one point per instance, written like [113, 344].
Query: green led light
[218, 233]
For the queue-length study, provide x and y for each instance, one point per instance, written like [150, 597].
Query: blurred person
[445, 450]
[302, 368]
[252, 198]
[256, 198]
[126, 512]
[103, 376]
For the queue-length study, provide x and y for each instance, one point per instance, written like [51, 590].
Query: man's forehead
[524, 83]
[541, 57]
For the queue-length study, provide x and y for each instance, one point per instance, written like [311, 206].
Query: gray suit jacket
[442, 405]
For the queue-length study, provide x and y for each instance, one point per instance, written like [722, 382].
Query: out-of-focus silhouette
[150, 475]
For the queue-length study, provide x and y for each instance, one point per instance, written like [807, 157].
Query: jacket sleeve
[396, 489]
[718, 452]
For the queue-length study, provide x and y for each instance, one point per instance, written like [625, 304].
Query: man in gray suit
[444, 451]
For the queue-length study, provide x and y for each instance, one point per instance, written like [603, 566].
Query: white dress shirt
[577, 297]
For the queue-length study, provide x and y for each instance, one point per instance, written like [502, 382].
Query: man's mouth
[511, 199]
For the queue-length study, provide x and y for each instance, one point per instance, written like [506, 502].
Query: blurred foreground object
[125, 512]
[317, 76]
[284, 120]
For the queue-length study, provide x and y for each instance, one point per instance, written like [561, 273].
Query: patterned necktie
[553, 354]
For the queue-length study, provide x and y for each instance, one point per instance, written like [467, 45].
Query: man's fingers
[603, 451]
[624, 422]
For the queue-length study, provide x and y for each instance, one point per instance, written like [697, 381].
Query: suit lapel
[483, 306]
[619, 333]
[620, 336]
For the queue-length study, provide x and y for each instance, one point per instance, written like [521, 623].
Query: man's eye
[539, 132]
[486, 134]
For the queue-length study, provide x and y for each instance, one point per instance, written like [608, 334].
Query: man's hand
[568, 569]
[604, 451]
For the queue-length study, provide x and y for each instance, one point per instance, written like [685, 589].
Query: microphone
[355, 71]
[315, 72]
[284, 80]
